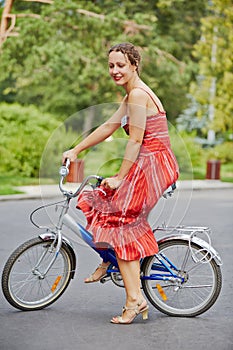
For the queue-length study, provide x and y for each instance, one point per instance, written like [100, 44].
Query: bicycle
[183, 279]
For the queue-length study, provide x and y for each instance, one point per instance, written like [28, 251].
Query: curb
[52, 191]
[203, 185]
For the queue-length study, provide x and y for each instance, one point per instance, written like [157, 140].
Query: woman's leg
[130, 271]
[98, 273]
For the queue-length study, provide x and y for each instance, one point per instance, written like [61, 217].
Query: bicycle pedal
[105, 279]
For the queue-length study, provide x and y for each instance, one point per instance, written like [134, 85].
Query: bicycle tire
[200, 290]
[23, 288]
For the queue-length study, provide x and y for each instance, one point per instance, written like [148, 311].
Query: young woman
[117, 214]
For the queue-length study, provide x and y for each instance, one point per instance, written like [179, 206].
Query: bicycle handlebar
[64, 171]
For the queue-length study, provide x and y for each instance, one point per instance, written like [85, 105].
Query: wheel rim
[25, 284]
[191, 297]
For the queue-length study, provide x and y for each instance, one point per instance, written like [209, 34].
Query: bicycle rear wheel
[202, 280]
[23, 283]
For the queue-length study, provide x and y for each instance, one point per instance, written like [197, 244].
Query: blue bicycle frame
[108, 255]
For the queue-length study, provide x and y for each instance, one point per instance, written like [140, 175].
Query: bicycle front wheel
[25, 283]
[201, 280]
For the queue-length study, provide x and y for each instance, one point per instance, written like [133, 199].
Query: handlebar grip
[67, 163]
[98, 183]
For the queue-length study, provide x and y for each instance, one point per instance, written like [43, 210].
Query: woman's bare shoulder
[137, 96]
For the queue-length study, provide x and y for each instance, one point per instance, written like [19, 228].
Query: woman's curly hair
[130, 51]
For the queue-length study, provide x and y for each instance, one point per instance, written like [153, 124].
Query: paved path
[80, 319]
[50, 191]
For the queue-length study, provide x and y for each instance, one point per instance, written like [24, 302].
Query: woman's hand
[70, 154]
[111, 183]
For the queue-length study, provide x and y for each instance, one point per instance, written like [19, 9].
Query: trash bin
[213, 169]
[76, 171]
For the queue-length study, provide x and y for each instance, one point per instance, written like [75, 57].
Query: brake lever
[98, 183]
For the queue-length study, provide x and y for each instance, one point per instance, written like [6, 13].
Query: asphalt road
[80, 318]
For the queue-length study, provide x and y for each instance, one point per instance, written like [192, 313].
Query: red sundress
[118, 218]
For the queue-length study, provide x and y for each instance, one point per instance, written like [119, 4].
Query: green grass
[8, 184]
[7, 189]
[227, 172]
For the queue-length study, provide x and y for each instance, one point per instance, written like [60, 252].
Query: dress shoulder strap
[151, 98]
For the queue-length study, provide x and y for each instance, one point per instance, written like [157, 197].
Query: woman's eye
[111, 66]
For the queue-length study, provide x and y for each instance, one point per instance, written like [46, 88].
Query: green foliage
[24, 132]
[214, 54]
[187, 152]
[59, 61]
[192, 158]
[8, 184]
[59, 64]
[223, 152]
[106, 158]
[60, 139]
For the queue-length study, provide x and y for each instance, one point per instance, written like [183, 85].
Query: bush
[59, 141]
[223, 152]
[192, 158]
[105, 159]
[24, 132]
[187, 152]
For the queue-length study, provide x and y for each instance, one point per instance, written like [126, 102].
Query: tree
[215, 75]
[58, 62]
[8, 19]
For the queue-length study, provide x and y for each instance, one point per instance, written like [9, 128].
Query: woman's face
[120, 68]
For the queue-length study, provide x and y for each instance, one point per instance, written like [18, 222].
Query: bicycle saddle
[169, 191]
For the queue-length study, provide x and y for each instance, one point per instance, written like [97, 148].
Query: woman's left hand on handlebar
[111, 183]
[70, 154]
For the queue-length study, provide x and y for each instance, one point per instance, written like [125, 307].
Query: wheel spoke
[24, 283]
[193, 291]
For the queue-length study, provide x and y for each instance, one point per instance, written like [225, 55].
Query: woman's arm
[137, 102]
[98, 135]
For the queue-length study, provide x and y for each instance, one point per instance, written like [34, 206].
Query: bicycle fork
[50, 249]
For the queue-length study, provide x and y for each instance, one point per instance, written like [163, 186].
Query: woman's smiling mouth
[117, 77]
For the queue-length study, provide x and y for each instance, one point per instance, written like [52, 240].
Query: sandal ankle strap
[102, 267]
[134, 308]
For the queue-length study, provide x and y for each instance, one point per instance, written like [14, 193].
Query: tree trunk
[6, 18]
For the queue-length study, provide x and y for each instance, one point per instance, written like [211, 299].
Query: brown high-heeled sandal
[139, 309]
[91, 279]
